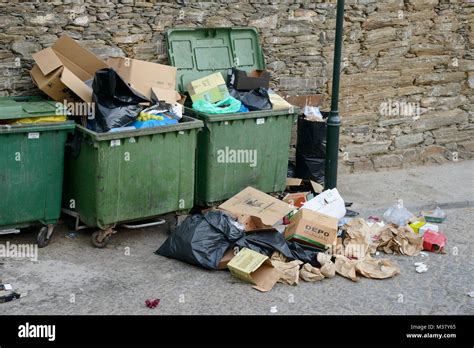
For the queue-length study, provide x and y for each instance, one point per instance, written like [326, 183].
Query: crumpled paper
[328, 269]
[401, 240]
[368, 267]
[377, 268]
[290, 271]
[310, 274]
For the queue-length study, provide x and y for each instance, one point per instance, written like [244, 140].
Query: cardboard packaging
[148, 78]
[297, 199]
[305, 100]
[258, 204]
[426, 227]
[211, 88]
[434, 241]
[254, 268]
[62, 69]
[278, 103]
[312, 228]
[246, 81]
[229, 255]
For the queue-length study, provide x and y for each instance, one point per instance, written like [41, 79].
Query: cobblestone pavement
[72, 277]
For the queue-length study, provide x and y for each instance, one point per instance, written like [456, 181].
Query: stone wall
[408, 69]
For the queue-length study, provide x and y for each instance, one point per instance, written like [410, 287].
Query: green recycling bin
[31, 164]
[120, 177]
[234, 150]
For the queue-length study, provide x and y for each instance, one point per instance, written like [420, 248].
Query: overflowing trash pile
[309, 234]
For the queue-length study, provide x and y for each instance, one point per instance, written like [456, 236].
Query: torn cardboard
[313, 228]
[143, 76]
[229, 255]
[305, 100]
[62, 69]
[254, 268]
[297, 199]
[253, 202]
[253, 223]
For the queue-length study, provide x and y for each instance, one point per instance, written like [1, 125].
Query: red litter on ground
[434, 241]
[152, 303]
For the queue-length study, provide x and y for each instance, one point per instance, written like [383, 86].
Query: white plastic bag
[397, 214]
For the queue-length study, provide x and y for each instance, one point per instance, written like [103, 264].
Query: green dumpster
[127, 176]
[234, 150]
[31, 165]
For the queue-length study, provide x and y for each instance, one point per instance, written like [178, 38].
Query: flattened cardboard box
[253, 202]
[255, 268]
[143, 76]
[62, 69]
[313, 228]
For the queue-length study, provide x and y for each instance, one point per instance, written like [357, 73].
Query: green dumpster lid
[198, 52]
[22, 107]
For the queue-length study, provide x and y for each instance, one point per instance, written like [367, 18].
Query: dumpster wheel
[100, 238]
[44, 236]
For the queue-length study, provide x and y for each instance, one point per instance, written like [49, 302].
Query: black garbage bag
[311, 150]
[254, 100]
[115, 103]
[202, 240]
[305, 253]
[265, 242]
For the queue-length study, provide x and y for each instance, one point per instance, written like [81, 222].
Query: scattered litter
[310, 274]
[398, 215]
[71, 235]
[152, 303]
[470, 294]
[437, 215]
[423, 254]
[254, 268]
[434, 241]
[10, 297]
[328, 202]
[421, 267]
[289, 271]
[6, 287]
[273, 309]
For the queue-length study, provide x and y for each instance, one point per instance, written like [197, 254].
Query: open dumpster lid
[22, 107]
[198, 52]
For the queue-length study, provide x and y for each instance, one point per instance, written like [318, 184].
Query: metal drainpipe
[334, 121]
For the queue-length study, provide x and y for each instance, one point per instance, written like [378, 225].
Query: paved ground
[109, 281]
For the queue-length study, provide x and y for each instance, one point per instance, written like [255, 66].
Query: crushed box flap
[251, 201]
[47, 60]
[265, 277]
[170, 96]
[76, 85]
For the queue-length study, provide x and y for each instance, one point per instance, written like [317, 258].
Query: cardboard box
[255, 268]
[246, 81]
[253, 202]
[297, 199]
[305, 100]
[252, 223]
[62, 69]
[312, 228]
[278, 103]
[434, 241]
[143, 76]
[211, 88]
[229, 255]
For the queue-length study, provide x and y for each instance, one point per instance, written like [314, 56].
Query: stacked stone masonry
[407, 78]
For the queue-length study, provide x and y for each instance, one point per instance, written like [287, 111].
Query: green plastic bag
[226, 106]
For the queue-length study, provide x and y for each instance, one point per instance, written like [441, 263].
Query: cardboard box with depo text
[313, 228]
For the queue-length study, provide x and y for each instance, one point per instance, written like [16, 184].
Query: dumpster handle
[149, 224]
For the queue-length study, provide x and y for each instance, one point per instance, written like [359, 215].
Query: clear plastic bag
[397, 214]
